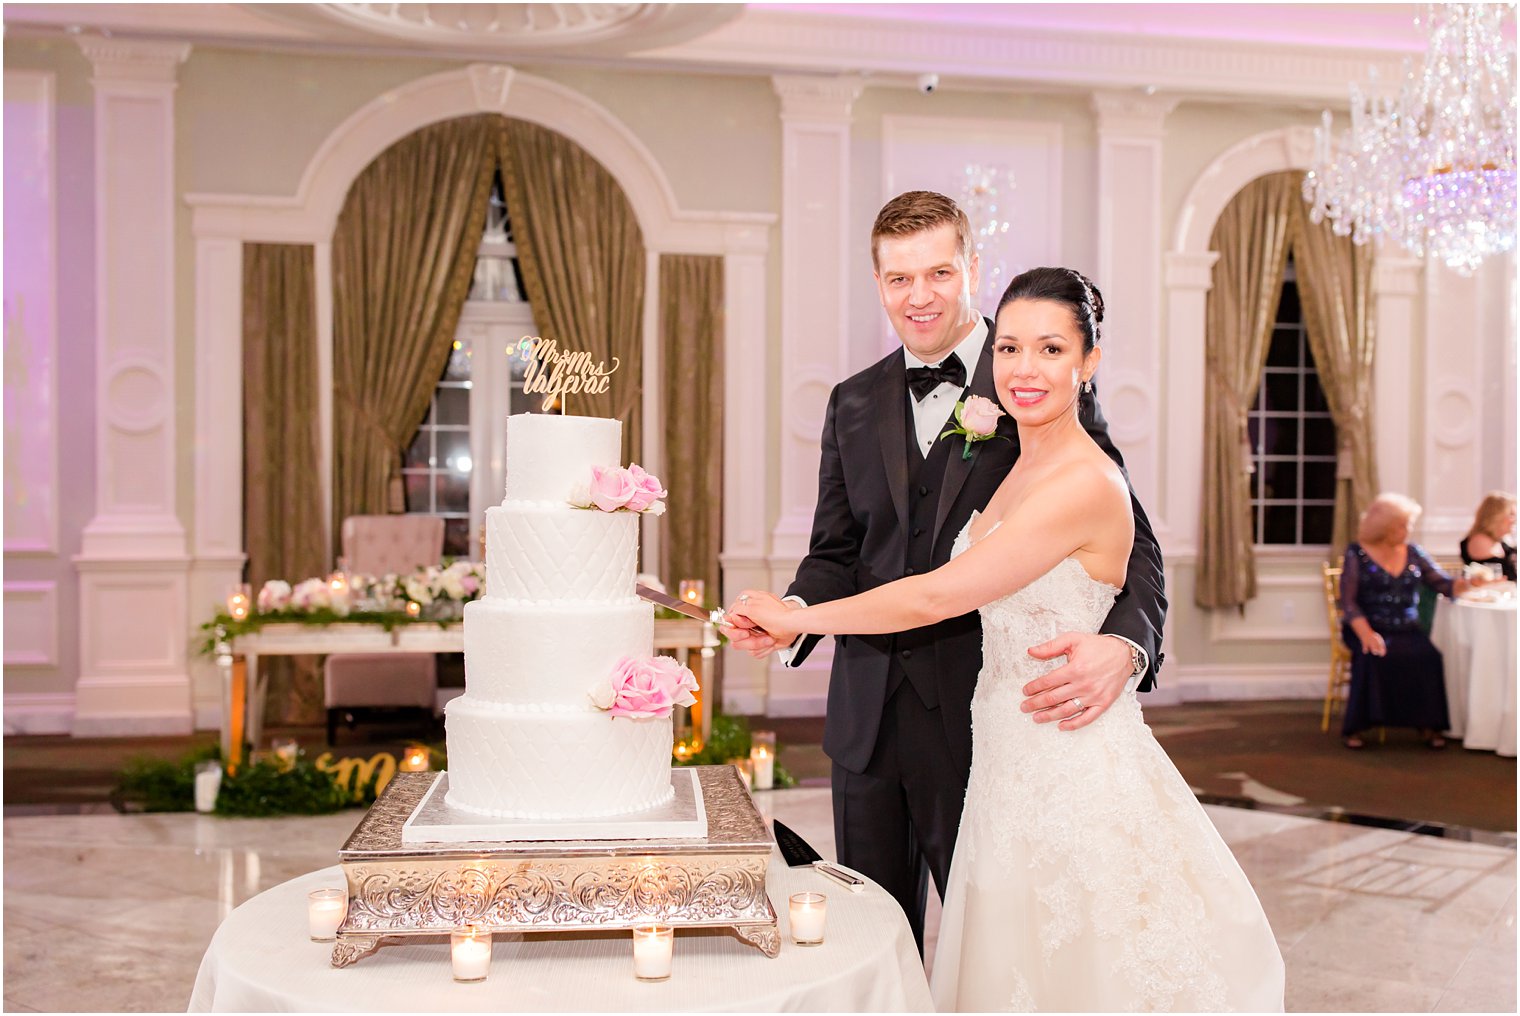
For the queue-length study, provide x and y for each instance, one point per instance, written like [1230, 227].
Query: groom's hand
[1077, 692]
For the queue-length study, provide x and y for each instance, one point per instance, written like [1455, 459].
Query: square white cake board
[434, 821]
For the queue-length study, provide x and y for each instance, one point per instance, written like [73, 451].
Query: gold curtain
[403, 256]
[1335, 287]
[1252, 237]
[582, 257]
[282, 495]
[691, 349]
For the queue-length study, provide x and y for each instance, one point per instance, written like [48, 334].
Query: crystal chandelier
[1433, 168]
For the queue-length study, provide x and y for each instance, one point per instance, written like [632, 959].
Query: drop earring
[1086, 387]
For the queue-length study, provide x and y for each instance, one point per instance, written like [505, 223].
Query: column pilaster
[1130, 132]
[133, 560]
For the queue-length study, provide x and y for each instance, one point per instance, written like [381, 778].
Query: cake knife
[680, 606]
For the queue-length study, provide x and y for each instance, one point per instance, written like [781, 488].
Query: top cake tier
[549, 456]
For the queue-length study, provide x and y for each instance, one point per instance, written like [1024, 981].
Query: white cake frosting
[525, 740]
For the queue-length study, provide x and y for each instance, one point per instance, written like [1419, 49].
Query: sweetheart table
[262, 960]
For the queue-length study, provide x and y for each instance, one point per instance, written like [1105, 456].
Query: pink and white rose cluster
[274, 596]
[459, 582]
[614, 488]
[647, 687]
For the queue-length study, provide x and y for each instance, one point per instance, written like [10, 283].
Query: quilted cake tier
[546, 554]
[518, 655]
[539, 764]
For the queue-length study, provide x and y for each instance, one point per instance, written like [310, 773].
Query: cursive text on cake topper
[555, 373]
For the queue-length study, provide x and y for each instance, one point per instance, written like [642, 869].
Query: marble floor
[112, 912]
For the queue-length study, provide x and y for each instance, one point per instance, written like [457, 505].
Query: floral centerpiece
[436, 593]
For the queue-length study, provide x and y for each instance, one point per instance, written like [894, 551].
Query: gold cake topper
[555, 373]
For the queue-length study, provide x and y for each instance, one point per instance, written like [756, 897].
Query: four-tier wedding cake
[566, 712]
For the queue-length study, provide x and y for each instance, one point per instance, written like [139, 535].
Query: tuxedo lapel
[958, 468]
[891, 422]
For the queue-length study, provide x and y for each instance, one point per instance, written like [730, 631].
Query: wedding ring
[1078, 703]
[744, 598]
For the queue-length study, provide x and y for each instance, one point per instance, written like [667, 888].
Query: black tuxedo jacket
[860, 541]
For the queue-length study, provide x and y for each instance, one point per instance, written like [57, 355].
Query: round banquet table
[261, 959]
[1477, 642]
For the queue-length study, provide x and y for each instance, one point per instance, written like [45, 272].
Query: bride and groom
[1002, 576]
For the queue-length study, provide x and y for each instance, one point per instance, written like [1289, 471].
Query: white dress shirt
[932, 414]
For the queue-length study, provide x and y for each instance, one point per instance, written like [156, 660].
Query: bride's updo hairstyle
[1065, 286]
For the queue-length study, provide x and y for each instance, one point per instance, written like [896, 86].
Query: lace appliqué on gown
[1093, 830]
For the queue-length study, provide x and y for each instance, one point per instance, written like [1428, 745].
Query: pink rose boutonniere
[614, 488]
[645, 688]
[975, 420]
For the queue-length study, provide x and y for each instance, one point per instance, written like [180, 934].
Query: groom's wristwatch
[1139, 662]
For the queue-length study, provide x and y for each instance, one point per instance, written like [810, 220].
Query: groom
[892, 497]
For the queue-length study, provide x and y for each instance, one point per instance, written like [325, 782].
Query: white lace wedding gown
[1086, 875]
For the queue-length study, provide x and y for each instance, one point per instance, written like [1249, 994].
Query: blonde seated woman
[1490, 541]
[1397, 676]
[1086, 876]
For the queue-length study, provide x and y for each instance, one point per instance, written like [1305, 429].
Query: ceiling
[1201, 51]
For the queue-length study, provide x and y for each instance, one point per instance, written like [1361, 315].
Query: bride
[1086, 876]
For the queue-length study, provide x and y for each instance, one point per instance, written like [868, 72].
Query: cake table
[260, 960]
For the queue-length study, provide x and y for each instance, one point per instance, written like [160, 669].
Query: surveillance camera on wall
[927, 83]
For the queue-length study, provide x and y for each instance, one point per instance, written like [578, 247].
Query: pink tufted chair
[375, 545]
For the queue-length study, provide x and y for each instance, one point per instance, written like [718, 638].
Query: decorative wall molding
[1218, 682]
[891, 52]
[1287, 608]
[310, 214]
[1130, 132]
[815, 203]
[31, 314]
[31, 624]
[38, 713]
[121, 61]
[1396, 284]
[133, 620]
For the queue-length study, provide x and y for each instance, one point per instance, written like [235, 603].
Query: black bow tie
[923, 380]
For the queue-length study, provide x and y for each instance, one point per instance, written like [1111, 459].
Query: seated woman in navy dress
[1397, 679]
[1489, 541]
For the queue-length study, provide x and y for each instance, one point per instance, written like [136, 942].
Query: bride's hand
[765, 610]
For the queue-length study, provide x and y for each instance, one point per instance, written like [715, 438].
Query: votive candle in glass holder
[807, 912]
[416, 759]
[240, 601]
[762, 758]
[653, 945]
[693, 591]
[208, 782]
[413, 608]
[471, 951]
[324, 912]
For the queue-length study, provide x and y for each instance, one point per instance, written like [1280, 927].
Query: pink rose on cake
[613, 488]
[644, 688]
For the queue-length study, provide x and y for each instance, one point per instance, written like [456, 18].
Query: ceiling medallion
[517, 24]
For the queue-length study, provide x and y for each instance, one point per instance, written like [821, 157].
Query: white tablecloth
[1477, 643]
[262, 960]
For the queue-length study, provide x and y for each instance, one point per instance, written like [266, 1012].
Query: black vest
[913, 652]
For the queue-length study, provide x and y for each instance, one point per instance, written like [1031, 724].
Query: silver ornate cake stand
[398, 890]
